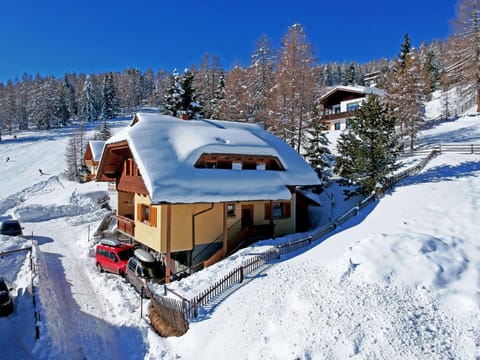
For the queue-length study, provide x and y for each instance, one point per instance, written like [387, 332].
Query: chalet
[340, 103]
[193, 191]
[92, 157]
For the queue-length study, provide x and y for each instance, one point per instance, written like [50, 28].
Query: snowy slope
[399, 281]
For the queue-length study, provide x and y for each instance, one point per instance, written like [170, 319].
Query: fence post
[241, 274]
[141, 303]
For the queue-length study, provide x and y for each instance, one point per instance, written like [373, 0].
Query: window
[230, 210]
[236, 165]
[147, 214]
[353, 106]
[279, 210]
[337, 126]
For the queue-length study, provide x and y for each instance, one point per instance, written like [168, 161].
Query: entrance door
[247, 215]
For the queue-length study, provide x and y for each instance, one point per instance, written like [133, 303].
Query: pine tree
[318, 153]
[368, 151]
[104, 133]
[173, 95]
[218, 96]
[189, 104]
[63, 108]
[74, 154]
[89, 108]
[405, 50]
[180, 97]
[109, 103]
[45, 105]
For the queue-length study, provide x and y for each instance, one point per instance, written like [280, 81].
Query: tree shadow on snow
[206, 310]
[442, 173]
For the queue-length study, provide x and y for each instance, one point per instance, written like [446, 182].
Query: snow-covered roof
[96, 147]
[166, 149]
[354, 89]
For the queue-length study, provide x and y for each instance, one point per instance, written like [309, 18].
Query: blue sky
[60, 36]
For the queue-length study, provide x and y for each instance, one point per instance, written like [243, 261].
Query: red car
[112, 256]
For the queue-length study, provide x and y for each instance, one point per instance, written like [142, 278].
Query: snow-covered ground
[399, 281]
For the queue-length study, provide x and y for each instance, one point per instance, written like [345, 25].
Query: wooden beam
[168, 243]
[225, 231]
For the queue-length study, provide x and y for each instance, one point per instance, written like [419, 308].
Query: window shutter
[153, 216]
[139, 212]
[287, 210]
[268, 211]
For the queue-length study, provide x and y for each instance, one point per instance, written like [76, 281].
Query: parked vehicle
[6, 301]
[11, 227]
[143, 268]
[112, 256]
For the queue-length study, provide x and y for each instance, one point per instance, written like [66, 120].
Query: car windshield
[125, 254]
[153, 270]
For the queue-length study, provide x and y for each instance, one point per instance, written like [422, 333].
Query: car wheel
[99, 268]
[121, 273]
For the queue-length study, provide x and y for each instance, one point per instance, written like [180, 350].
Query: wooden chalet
[340, 102]
[194, 191]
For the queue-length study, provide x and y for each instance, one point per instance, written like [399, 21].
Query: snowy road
[75, 313]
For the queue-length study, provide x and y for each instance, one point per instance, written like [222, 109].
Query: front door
[247, 215]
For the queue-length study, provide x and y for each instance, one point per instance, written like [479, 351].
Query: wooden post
[168, 243]
[225, 231]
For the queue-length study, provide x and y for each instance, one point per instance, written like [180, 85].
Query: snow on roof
[96, 147]
[356, 89]
[166, 148]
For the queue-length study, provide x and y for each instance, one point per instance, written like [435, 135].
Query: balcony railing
[125, 225]
[340, 115]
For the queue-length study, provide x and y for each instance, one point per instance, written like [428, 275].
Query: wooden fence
[178, 312]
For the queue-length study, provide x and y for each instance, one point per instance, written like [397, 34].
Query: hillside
[400, 280]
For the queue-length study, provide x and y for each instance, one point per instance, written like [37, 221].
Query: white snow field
[398, 281]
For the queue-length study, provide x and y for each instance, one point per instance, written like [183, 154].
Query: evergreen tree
[63, 108]
[180, 97]
[218, 96]
[317, 152]
[189, 104]
[45, 105]
[109, 103]
[405, 50]
[74, 154]
[104, 133]
[89, 108]
[173, 94]
[368, 151]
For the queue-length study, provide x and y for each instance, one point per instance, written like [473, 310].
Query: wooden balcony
[340, 115]
[126, 225]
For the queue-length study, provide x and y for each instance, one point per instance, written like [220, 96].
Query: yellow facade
[196, 224]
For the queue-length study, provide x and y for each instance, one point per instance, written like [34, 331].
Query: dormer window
[239, 162]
